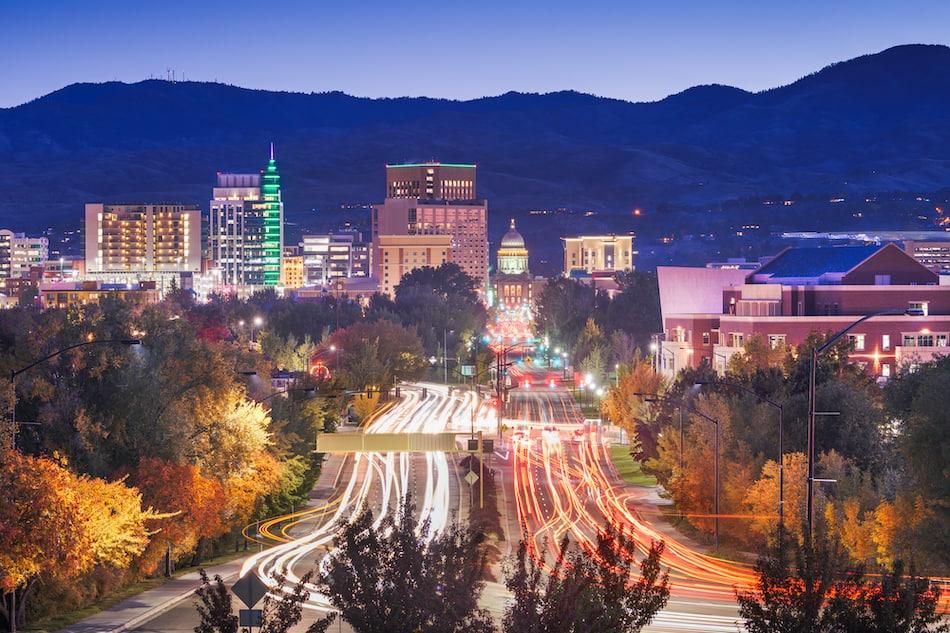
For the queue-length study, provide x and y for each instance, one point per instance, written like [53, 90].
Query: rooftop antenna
[272, 150]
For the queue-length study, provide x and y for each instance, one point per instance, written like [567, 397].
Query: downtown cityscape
[282, 361]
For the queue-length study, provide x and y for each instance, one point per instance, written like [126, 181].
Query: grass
[62, 620]
[628, 468]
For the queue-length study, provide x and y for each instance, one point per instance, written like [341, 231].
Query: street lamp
[16, 372]
[781, 441]
[812, 414]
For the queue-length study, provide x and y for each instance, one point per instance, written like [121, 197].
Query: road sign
[488, 446]
[250, 589]
[473, 445]
[471, 478]
[251, 617]
[467, 370]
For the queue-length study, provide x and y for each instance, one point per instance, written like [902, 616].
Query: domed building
[512, 256]
[512, 283]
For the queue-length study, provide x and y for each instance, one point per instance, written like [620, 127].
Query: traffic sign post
[250, 617]
[249, 589]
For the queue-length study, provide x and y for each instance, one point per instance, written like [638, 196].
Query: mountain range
[877, 123]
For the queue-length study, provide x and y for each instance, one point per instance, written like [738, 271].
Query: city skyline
[633, 52]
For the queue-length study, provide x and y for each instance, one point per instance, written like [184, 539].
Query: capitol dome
[512, 238]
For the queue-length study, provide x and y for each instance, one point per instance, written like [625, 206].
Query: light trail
[387, 477]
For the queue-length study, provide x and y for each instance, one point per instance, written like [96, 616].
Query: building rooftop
[815, 261]
[429, 164]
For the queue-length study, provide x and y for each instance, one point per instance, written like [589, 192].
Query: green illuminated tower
[273, 221]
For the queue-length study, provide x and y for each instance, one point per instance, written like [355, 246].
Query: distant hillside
[875, 123]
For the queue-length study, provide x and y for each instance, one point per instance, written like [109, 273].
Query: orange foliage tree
[624, 408]
[59, 526]
[199, 502]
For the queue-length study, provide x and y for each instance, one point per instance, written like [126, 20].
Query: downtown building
[132, 243]
[592, 256]
[246, 228]
[433, 199]
[513, 287]
[331, 256]
[19, 253]
[709, 314]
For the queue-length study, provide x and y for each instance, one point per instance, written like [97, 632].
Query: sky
[627, 49]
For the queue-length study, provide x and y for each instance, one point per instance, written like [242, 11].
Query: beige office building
[440, 181]
[466, 224]
[587, 255]
[142, 239]
[20, 252]
[400, 254]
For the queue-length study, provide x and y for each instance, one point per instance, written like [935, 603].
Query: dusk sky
[626, 49]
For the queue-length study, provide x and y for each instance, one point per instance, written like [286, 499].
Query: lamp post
[652, 397]
[781, 441]
[812, 414]
[16, 372]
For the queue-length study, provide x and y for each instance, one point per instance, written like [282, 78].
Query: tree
[804, 586]
[636, 308]
[397, 349]
[57, 526]
[562, 308]
[757, 356]
[216, 613]
[586, 591]
[624, 408]
[794, 581]
[590, 338]
[392, 580]
[762, 497]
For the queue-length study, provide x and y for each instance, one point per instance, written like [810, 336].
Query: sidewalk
[139, 609]
[148, 605]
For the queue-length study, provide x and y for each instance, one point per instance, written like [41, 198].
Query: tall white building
[246, 227]
[334, 255]
[20, 252]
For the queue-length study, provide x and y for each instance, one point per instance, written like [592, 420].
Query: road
[555, 482]
[375, 480]
[563, 482]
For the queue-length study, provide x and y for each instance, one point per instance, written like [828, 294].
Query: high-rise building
[143, 241]
[590, 255]
[439, 181]
[465, 222]
[245, 228]
[19, 253]
[400, 254]
[334, 255]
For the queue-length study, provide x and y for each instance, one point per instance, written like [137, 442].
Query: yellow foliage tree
[757, 355]
[622, 407]
[762, 499]
[364, 405]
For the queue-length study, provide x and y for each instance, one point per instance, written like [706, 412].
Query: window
[941, 340]
[886, 370]
[705, 338]
[737, 339]
[882, 280]
[918, 308]
[776, 340]
[886, 342]
[910, 340]
[858, 341]
[925, 340]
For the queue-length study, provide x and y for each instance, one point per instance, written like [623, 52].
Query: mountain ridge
[878, 122]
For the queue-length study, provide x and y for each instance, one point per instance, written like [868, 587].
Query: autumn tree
[586, 591]
[623, 407]
[761, 499]
[757, 355]
[57, 526]
[391, 580]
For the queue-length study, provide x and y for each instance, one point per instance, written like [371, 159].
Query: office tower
[590, 255]
[19, 253]
[400, 254]
[142, 240]
[334, 255]
[273, 221]
[439, 181]
[245, 228]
